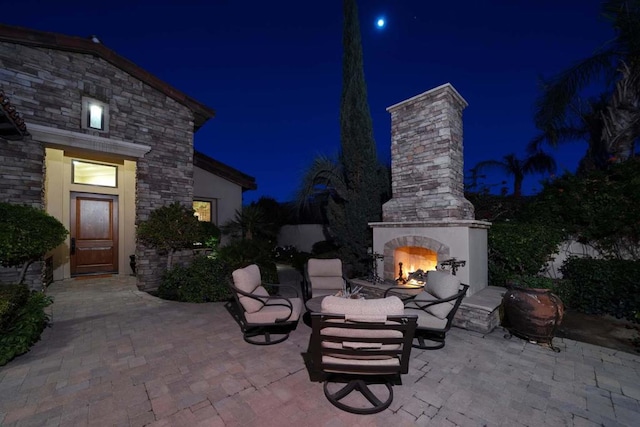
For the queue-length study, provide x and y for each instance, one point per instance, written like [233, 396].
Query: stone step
[481, 311]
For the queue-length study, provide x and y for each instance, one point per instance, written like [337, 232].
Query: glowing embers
[409, 259]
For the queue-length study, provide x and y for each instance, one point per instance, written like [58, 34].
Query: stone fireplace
[428, 220]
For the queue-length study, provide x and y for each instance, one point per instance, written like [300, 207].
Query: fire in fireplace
[408, 259]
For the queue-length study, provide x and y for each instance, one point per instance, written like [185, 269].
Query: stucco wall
[302, 236]
[47, 87]
[208, 186]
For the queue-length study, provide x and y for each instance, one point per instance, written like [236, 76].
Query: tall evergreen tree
[357, 181]
[365, 178]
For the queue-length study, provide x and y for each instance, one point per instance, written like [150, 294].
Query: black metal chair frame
[357, 376]
[261, 333]
[430, 334]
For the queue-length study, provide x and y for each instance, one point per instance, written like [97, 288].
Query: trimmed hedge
[204, 280]
[22, 320]
[597, 286]
[520, 249]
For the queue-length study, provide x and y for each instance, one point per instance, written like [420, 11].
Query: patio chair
[363, 344]
[323, 277]
[435, 307]
[265, 319]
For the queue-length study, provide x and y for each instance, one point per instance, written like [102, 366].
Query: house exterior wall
[47, 87]
[209, 186]
[21, 172]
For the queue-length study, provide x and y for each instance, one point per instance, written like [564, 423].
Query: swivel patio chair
[361, 346]
[265, 319]
[323, 277]
[435, 307]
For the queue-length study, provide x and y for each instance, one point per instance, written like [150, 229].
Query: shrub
[241, 253]
[25, 325]
[204, 280]
[600, 209]
[12, 297]
[26, 234]
[170, 229]
[520, 249]
[324, 247]
[597, 286]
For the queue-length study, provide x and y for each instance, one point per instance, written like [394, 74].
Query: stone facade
[21, 178]
[47, 86]
[427, 158]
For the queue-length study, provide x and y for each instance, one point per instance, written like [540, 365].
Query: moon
[380, 23]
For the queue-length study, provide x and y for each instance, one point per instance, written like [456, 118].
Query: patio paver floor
[118, 356]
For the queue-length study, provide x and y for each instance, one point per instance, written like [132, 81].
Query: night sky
[272, 70]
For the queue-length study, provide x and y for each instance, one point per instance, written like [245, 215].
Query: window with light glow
[206, 210]
[94, 174]
[95, 115]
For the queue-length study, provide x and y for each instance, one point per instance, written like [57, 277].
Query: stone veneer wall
[21, 182]
[47, 86]
[427, 159]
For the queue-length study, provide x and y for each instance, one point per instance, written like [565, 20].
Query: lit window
[94, 174]
[95, 115]
[206, 210]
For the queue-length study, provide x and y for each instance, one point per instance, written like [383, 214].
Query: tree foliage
[169, 229]
[616, 66]
[356, 181]
[511, 165]
[26, 235]
[600, 208]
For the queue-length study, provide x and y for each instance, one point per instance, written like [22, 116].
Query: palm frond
[324, 175]
[560, 92]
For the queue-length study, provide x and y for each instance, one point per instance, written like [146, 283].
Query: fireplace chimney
[427, 172]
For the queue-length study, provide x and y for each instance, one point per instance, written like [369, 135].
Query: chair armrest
[401, 291]
[422, 304]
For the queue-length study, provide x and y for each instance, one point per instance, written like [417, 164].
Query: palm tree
[617, 65]
[584, 122]
[539, 162]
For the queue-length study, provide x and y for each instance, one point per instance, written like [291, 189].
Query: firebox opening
[412, 259]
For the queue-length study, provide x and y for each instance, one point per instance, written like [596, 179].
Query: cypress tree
[365, 178]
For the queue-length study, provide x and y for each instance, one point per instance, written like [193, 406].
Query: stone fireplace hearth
[428, 220]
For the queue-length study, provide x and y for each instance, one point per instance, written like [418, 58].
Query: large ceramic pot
[532, 314]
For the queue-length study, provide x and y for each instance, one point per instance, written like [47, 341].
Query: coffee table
[314, 304]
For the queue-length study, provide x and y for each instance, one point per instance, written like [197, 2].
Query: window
[206, 210]
[94, 174]
[95, 115]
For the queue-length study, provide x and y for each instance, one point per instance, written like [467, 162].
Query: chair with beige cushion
[265, 319]
[435, 307]
[323, 277]
[363, 344]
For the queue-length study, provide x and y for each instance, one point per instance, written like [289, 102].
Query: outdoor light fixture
[96, 116]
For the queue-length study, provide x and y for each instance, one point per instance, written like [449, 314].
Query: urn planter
[533, 314]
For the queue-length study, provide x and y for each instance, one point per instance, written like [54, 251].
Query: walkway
[117, 356]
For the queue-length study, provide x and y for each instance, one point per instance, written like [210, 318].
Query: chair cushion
[251, 305]
[326, 283]
[248, 278]
[272, 312]
[324, 267]
[439, 310]
[442, 284]
[362, 310]
[390, 306]
[426, 320]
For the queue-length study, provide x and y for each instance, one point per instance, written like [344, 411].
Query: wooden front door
[94, 233]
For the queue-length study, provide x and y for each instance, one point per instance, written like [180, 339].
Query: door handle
[73, 246]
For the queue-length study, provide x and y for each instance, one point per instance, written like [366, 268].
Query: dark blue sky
[272, 70]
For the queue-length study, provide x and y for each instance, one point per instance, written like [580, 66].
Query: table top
[314, 304]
